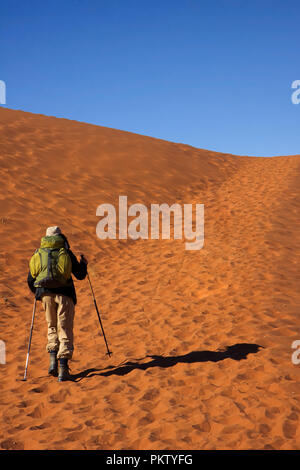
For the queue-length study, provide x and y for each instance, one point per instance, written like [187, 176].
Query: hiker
[50, 279]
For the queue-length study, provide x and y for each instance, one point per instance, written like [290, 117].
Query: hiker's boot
[53, 366]
[63, 370]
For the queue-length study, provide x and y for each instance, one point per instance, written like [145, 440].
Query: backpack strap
[40, 254]
[49, 265]
[49, 260]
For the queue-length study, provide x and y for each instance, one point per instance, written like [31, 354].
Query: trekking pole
[108, 351]
[29, 343]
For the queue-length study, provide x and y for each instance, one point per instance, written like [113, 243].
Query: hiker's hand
[83, 259]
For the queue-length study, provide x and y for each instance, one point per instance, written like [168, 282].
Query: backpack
[51, 265]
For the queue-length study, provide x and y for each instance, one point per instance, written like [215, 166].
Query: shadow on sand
[237, 352]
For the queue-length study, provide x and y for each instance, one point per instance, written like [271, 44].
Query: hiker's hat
[51, 231]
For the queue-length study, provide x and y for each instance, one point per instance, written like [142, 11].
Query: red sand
[155, 298]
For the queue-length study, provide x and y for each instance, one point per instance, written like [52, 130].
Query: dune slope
[201, 340]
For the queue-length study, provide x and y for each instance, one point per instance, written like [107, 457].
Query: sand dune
[201, 340]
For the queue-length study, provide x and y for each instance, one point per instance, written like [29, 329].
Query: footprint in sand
[59, 397]
[37, 412]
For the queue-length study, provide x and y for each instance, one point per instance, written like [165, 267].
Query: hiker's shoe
[63, 370]
[53, 366]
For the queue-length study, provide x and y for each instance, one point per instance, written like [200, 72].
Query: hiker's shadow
[237, 352]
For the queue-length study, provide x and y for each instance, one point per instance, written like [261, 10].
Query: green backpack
[51, 264]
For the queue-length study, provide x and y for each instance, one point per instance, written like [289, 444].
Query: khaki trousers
[60, 312]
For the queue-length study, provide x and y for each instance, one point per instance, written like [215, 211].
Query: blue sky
[211, 74]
